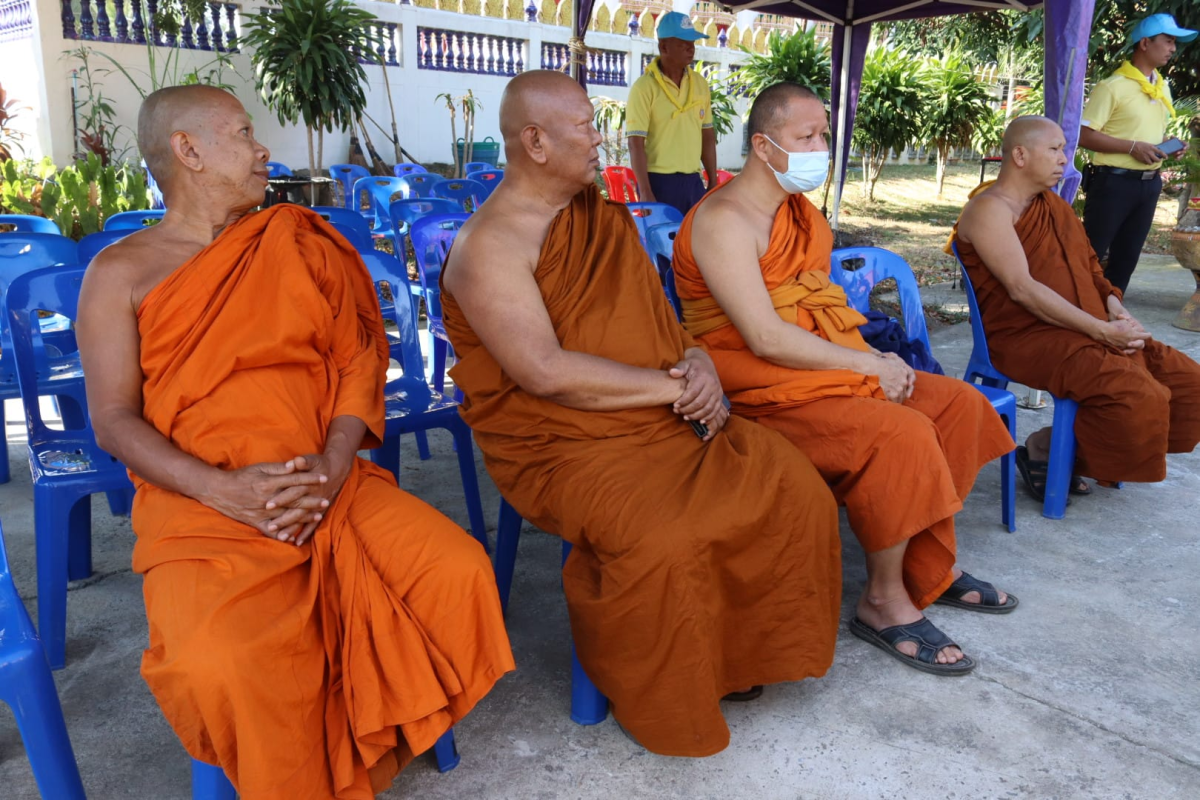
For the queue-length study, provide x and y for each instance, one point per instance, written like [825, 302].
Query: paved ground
[1089, 690]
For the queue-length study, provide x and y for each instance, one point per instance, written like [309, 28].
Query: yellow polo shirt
[1118, 106]
[670, 117]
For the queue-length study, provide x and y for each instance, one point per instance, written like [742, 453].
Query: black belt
[1138, 174]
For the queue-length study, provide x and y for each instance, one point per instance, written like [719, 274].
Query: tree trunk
[320, 151]
[311, 164]
[943, 157]
[868, 156]
[876, 171]
[454, 141]
[1012, 85]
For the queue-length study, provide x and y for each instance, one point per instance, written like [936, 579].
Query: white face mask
[805, 171]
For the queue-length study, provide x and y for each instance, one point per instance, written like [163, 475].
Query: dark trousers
[680, 189]
[1117, 216]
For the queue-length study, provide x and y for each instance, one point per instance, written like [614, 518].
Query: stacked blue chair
[380, 192]
[134, 220]
[420, 184]
[28, 223]
[672, 293]
[432, 237]
[588, 705]
[490, 178]
[878, 265]
[647, 215]
[660, 244]
[404, 213]
[1062, 431]
[156, 196]
[346, 175]
[67, 466]
[350, 224]
[476, 166]
[411, 406]
[467, 193]
[276, 169]
[400, 170]
[93, 243]
[28, 688]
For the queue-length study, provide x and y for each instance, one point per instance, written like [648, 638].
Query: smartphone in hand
[1172, 146]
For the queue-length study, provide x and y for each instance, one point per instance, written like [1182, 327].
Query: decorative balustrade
[16, 20]
[464, 51]
[604, 67]
[133, 23]
[387, 44]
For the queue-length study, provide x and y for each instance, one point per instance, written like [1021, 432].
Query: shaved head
[547, 122]
[1028, 131]
[175, 108]
[535, 98]
[770, 108]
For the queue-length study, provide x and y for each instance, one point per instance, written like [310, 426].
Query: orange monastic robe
[902, 471]
[1133, 409]
[313, 671]
[698, 568]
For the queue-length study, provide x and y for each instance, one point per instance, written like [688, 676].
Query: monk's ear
[533, 139]
[183, 148]
[1018, 155]
[761, 147]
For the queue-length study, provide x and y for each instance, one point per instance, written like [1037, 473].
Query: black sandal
[989, 598]
[930, 641]
[1034, 473]
[753, 693]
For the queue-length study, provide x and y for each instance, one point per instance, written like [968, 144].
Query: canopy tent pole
[841, 140]
[1067, 29]
[577, 47]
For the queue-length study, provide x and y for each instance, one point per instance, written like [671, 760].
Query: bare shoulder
[130, 267]
[495, 239]
[985, 211]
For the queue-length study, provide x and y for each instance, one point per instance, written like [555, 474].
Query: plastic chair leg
[120, 502]
[422, 445]
[79, 541]
[52, 518]
[4, 474]
[1008, 491]
[209, 783]
[1062, 458]
[446, 752]
[441, 350]
[508, 535]
[34, 701]
[387, 455]
[588, 705]
[470, 481]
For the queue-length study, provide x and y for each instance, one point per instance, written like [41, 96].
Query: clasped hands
[896, 378]
[1123, 332]
[282, 500]
[702, 398]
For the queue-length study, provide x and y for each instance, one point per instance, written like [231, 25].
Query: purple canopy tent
[1068, 25]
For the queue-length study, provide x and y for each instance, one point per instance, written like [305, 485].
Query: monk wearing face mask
[901, 452]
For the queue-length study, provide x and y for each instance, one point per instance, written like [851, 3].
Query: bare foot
[878, 614]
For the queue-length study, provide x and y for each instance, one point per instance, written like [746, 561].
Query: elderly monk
[702, 564]
[901, 452]
[312, 627]
[1055, 323]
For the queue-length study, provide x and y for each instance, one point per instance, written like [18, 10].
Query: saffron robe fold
[314, 671]
[858, 439]
[1133, 409]
[698, 568]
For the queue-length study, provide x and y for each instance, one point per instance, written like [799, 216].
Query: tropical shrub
[78, 198]
[890, 105]
[956, 104]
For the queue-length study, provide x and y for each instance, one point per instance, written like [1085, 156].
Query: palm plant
[889, 110]
[988, 134]
[956, 104]
[799, 58]
[610, 121]
[306, 55]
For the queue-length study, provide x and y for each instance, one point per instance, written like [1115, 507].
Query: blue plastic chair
[467, 193]
[588, 705]
[490, 178]
[647, 215]
[350, 224]
[28, 688]
[475, 166]
[93, 243]
[400, 170]
[28, 223]
[67, 466]
[411, 406]
[660, 244]
[879, 265]
[346, 175]
[276, 169]
[135, 220]
[432, 236]
[420, 184]
[1061, 465]
[156, 196]
[380, 191]
[672, 293]
[404, 213]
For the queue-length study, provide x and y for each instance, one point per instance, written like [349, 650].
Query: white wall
[423, 122]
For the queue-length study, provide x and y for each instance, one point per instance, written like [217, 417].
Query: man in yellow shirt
[668, 121]
[1123, 123]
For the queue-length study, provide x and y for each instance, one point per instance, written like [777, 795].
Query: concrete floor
[1088, 691]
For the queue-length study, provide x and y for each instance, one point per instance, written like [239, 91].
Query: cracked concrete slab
[1088, 690]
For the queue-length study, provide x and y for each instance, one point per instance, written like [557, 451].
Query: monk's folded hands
[243, 494]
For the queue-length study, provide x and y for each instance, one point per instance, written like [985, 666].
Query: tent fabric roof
[861, 11]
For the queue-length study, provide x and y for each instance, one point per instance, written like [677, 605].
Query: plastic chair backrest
[93, 243]
[723, 177]
[380, 191]
[156, 196]
[386, 268]
[462, 190]
[28, 223]
[879, 265]
[980, 362]
[646, 215]
[54, 289]
[350, 223]
[400, 170]
[672, 293]
[405, 212]
[275, 169]
[431, 237]
[660, 243]
[490, 178]
[475, 166]
[21, 253]
[134, 220]
[621, 184]
[420, 184]
[346, 175]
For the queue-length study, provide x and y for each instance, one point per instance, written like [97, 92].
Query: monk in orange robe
[1055, 323]
[900, 451]
[312, 627]
[702, 565]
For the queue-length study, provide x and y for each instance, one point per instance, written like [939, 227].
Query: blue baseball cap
[1155, 24]
[675, 25]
